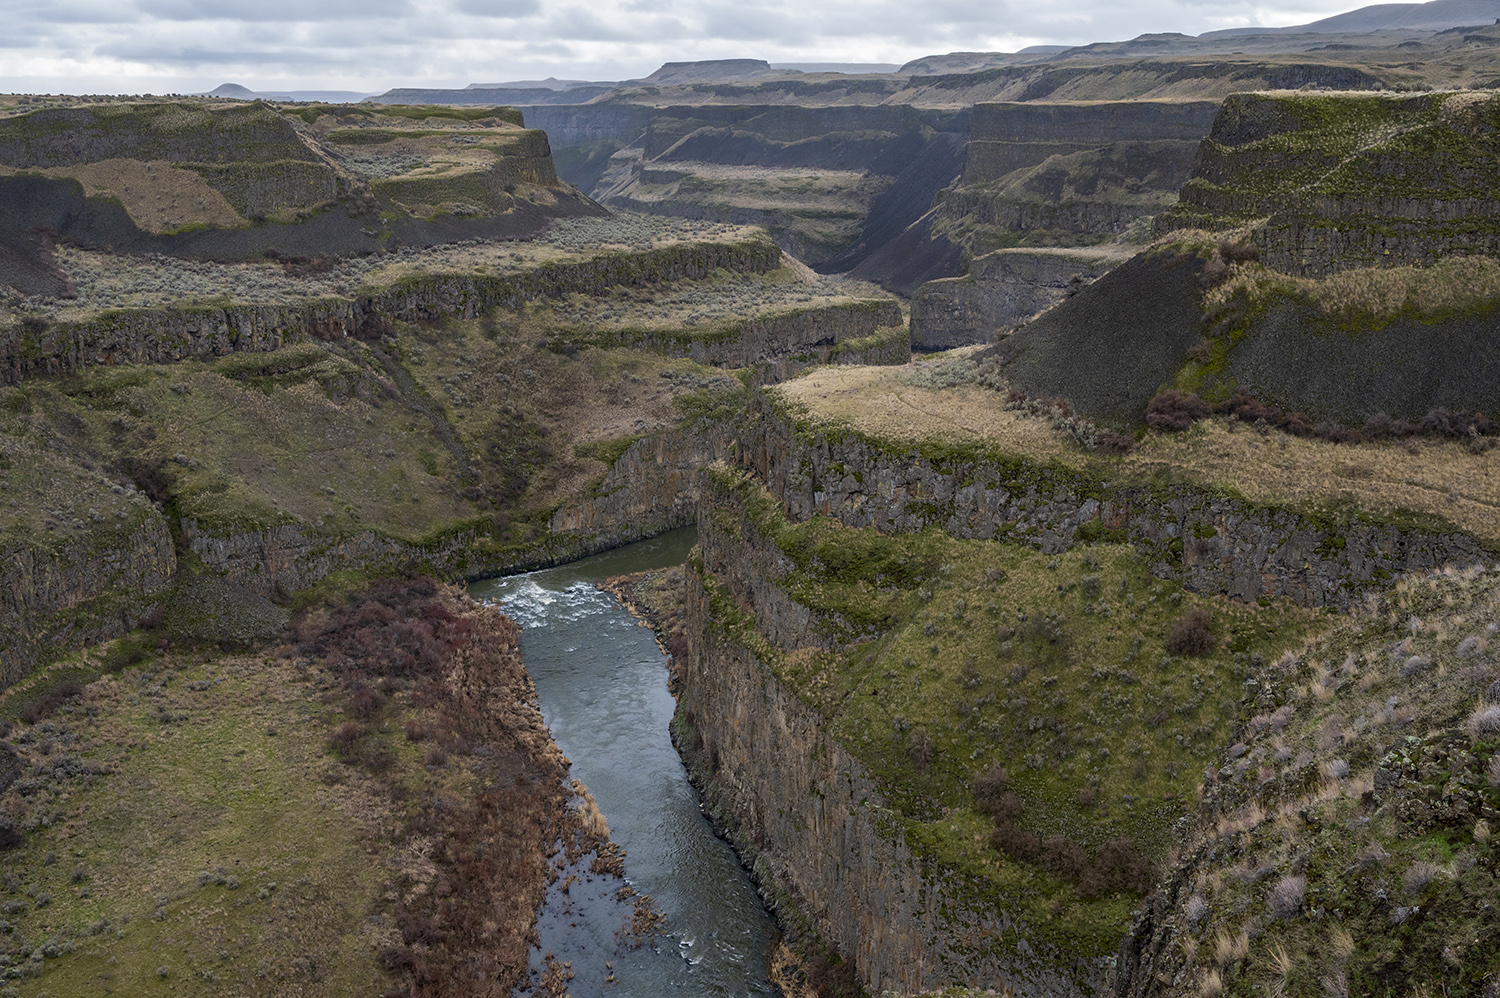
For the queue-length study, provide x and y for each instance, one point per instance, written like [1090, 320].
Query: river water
[602, 683]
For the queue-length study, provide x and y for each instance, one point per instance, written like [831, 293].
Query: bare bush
[1173, 410]
[1285, 897]
[1419, 875]
[1484, 723]
[1192, 634]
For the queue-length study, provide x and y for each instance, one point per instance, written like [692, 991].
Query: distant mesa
[234, 91]
[550, 83]
[1436, 15]
[715, 70]
[848, 68]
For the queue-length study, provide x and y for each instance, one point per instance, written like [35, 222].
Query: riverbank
[365, 803]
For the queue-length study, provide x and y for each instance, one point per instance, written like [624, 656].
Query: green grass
[235, 791]
[994, 654]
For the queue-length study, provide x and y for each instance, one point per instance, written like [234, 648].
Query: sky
[189, 46]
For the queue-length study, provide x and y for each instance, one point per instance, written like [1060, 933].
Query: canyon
[1091, 460]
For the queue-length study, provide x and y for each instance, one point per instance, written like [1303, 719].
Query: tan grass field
[1436, 477]
[158, 196]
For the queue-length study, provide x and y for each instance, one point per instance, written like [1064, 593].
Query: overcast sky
[165, 46]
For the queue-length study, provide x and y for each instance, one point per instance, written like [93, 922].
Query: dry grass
[159, 196]
[238, 788]
[105, 280]
[1370, 296]
[1429, 476]
[883, 402]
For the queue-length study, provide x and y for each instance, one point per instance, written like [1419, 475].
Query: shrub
[1064, 858]
[1214, 272]
[1174, 410]
[44, 705]
[990, 787]
[1484, 723]
[1285, 898]
[1118, 866]
[1419, 875]
[920, 749]
[364, 701]
[1192, 634]
[1016, 842]
[346, 734]
[1238, 252]
[1414, 665]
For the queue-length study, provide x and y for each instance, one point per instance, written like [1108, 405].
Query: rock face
[151, 336]
[244, 181]
[1349, 181]
[810, 334]
[798, 803]
[88, 589]
[651, 488]
[1108, 349]
[1002, 289]
[1212, 544]
[833, 184]
[806, 810]
[1012, 136]
[1066, 174]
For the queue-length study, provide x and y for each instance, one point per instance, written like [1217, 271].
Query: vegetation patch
[196, 822]
[1021, 711]
[1348, 845]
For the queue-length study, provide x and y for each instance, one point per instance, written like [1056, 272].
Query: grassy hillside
[1031, 720]
[196, 821]
[1346, 843]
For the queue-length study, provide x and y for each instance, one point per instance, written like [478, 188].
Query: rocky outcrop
[748, 163]
[163, 335]
[1069, 174]
[651, 488]
[1002, 289]
[82, 590]
[1333, 182]
[1011, 136]
[1210, 542]
[806, 333]
[805, 811]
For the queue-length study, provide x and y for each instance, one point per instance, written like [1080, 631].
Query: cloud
[371, 45]
[506, 9]
[252, 11]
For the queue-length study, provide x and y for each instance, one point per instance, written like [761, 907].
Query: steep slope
[238, 181]
[1352, 282]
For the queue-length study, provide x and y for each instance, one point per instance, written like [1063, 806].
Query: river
[602, 684]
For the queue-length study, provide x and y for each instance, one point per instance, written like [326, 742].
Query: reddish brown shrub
[920, 750]
[44, 705]
[1016, 842]
[1174, 410]
[1192, 634]
[1238, 252]
[346, 734]
[990, 787]
[364, 701]
[1064, 858]
[1118, 866]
